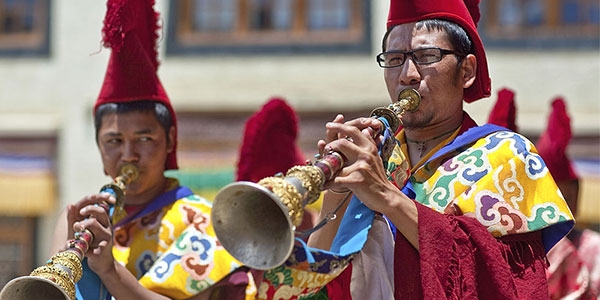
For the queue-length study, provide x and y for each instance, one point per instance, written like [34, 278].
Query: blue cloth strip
[354, 228]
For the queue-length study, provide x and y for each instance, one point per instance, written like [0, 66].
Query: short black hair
[162, 113]
[456, 34]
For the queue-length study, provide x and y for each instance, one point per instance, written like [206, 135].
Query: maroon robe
[460, 259]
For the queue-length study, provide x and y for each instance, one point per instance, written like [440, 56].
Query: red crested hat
[462, 12]
[269, 144]
[504, 111]
[552, 144]
[130, 31]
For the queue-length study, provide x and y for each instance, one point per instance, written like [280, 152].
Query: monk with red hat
[504, 112]
[574, 271]
[269, 146]
[457, 211]
[567, 273]
[164, 246]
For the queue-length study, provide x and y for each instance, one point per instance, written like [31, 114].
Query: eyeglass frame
[443, 52]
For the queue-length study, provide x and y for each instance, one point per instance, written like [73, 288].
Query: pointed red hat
[462, 12]
[552, 145]
[269, 144]
[130, 31]
[504, 111]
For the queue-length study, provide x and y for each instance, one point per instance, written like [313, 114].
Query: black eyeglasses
[423, 56]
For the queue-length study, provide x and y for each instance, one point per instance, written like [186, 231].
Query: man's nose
[130, 153]
[409, 72]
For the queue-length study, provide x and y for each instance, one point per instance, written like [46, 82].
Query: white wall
[56, 94]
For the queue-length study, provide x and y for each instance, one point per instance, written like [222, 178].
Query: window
[285, 26]
[17, 246]
[24, 27]
[28, 177]
[28, 189]
[541, 23]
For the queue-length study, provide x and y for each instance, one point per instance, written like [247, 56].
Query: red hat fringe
[269, 144]
[473, 8]
[117, 24]
[462, 12]
[552, 144]
[131, 32]
[504, 111]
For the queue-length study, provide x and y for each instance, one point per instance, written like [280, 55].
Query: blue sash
[90, 287]
[466, 138]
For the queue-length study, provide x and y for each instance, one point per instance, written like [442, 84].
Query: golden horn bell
[56, 279]
[256, 222]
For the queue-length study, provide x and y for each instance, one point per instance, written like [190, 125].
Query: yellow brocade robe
[173, 251]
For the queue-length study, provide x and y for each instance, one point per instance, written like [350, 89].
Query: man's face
[440, 83]
[139, 139]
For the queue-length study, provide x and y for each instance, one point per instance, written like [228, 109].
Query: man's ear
[171, 144]
[469, 70]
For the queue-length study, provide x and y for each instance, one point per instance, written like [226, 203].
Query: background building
[222, 59]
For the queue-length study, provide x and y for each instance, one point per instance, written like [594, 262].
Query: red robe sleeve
[460, 259]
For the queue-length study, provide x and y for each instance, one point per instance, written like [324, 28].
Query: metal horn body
[56, 280]
[256, 222]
